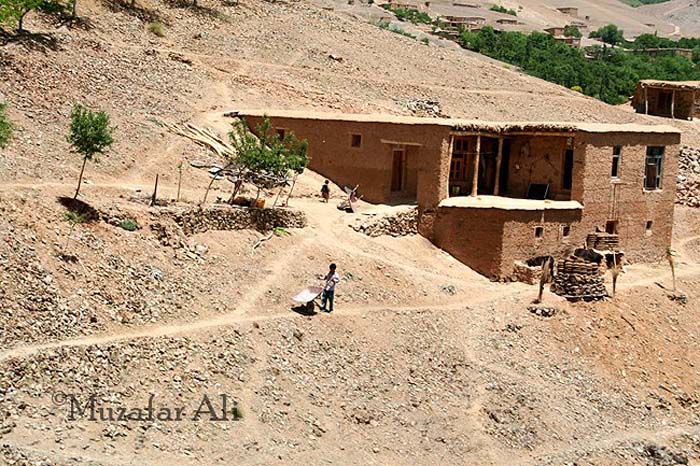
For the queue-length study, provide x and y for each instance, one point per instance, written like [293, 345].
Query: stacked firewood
[577, 279]
[603, 241]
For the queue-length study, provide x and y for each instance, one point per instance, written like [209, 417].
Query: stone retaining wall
[237, 218]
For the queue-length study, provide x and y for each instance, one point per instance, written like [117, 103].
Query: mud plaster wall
[626, 200]
[491, 240]
[370, 166]
[537, 160]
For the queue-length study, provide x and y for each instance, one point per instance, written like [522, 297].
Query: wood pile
[603, 241]
[577, 279]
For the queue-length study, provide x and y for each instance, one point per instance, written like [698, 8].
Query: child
[332, 278]
[326, 191]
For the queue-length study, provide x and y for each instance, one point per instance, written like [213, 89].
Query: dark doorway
[398, 170]
[568, 175]
[505, 164]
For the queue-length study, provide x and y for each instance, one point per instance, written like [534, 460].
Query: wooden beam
[475, 178]
[399, 143]
[499, 160]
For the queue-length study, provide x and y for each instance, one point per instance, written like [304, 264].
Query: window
[539, 232]
[280, 133]
[566, 231]
[653, 168]
[617, 155]
[356, 140]
[648, 227]
[611, 227]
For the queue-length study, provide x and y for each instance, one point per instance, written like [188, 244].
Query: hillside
[423, 362]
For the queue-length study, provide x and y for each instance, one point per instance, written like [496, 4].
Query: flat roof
[461, 124]
[508, 203]
[671, 84]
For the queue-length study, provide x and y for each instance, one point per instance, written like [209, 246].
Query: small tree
[13, 12]
[5, 127]
[572, 31]
[90, 134]
[267, 154]
[609, 34]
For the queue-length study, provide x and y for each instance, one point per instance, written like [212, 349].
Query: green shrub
[577, 89]
[5, 127]
[156, 28]
[129, 224]
[409, 14]
[74, 217]
[504, 10]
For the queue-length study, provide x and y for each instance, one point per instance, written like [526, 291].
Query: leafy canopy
[5, 127]
[572, 31]
[268, 153]
[607, 74]
[90, 132]
[12, 12]
[609, 34]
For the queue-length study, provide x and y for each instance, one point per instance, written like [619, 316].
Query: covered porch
[518, 166]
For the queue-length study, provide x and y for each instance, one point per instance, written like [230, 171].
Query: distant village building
[579, 24]
[492, 194]
[466, 4]
[568, 10]
[458, 23]
[507, 21]
[674, 99]
[558, 34]
[665, 51]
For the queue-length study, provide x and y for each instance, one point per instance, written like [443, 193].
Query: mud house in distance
[495, 193]
[674, 99]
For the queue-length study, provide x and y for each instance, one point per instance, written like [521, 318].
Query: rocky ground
[688, 186]
[422, 358]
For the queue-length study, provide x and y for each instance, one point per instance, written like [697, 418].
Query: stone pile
[400, 223]
[237, 218]
[578, 279]
[688, 182]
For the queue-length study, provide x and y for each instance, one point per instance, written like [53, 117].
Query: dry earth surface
[422, 362]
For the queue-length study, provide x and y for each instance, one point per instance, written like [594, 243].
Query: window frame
[616, 163]
[654, 158]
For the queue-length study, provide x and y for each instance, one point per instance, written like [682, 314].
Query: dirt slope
[423, 361]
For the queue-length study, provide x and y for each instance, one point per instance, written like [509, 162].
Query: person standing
[326, 191]
[332, 278]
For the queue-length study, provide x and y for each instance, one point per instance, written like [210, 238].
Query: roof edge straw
[462, 125]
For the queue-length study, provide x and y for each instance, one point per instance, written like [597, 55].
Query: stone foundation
[237, 218]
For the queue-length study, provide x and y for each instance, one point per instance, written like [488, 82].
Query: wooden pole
[646, 100]
[475, 178]
[499, 160]
[673, 104]
[155, 192]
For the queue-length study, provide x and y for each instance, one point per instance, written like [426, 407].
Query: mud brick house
[674, 99]
[495, 193]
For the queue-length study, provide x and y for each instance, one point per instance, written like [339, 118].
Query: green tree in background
[572, 31]
[609, 34]
[90, 134]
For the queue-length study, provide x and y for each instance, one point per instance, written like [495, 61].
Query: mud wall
[625, 199]
[370, 165]
[491, 240]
